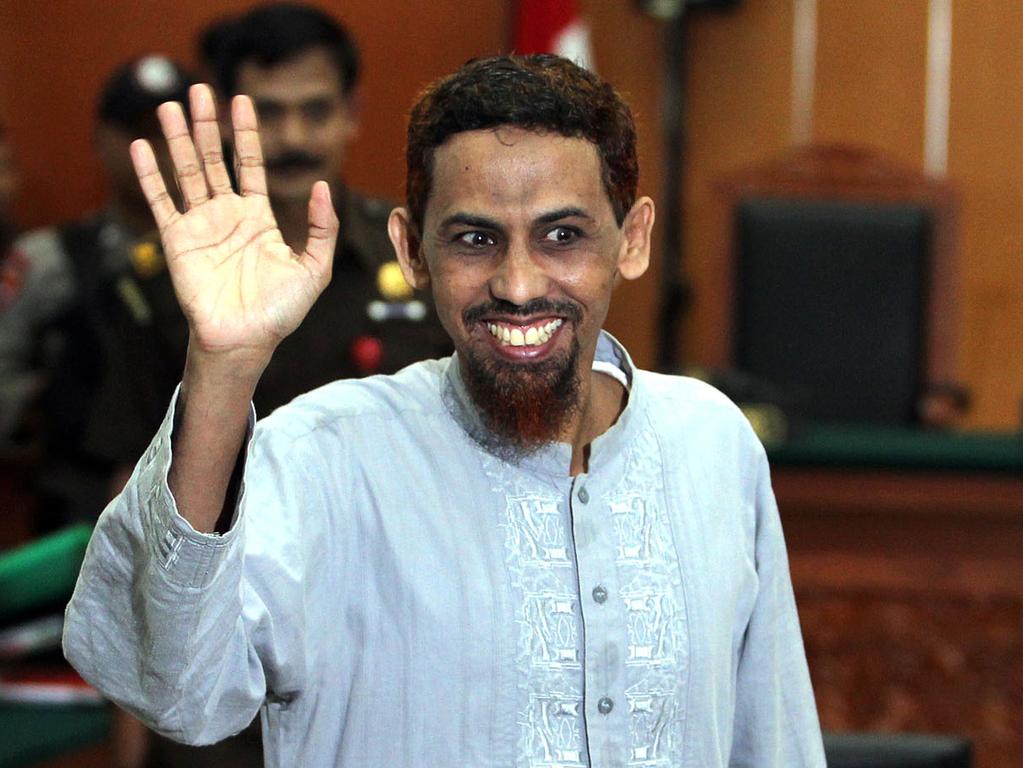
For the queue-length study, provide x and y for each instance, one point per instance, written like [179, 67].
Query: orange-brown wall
[870, 80]
[55, 55]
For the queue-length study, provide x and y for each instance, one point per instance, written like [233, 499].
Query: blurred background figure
[301, 68]
[60, 285]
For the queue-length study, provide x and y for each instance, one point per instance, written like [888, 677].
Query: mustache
[294, 160]
[566, 309]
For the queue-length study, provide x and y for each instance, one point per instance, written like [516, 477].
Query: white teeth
[532, 336]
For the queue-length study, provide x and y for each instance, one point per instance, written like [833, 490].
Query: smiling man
[521, 244]
[529, 554]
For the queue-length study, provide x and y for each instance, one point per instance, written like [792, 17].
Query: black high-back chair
[875, 750]
[837, 288]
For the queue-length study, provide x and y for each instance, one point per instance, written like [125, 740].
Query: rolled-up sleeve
[160, 620]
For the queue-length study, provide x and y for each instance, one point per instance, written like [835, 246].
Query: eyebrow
[563, 213]
[472, 220]
[469, 220]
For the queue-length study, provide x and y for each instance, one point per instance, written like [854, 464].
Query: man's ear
[405, 240]
[634, 257]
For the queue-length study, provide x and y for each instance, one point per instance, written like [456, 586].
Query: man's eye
[562, 235]
[318, 111]
[476, 239]
[268, 111]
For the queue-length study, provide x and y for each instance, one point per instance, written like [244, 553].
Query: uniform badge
[147, 259]
[14, 268]
[391, 282]
[134, 300]
[367, 353]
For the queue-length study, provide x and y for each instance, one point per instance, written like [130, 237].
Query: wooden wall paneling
[871, 70]
[738, 111]
[61, 51]
[992, 321]
[629, 52]
[6, 42]
[919, 663]
[406, 46]
[986, 158]
[910, 592]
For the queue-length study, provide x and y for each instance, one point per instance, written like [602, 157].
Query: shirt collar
[554, 459]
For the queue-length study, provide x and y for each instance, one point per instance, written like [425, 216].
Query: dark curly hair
[273, 34]
[539, 92]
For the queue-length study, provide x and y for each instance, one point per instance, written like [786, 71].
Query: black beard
[523, 406]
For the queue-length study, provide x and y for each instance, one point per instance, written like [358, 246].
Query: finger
[153, 187]
[248, 155]
[191, 180]
[207, 139]
[323, 226]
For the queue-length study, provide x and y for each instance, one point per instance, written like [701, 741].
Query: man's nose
[519, 277]
[294, 131]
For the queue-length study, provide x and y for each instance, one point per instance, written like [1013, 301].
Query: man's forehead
[309, 74]
[488, 154]
[511, 136]
[511, 166]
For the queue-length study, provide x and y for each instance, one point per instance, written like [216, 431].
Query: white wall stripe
[804, 69]
[939, 65]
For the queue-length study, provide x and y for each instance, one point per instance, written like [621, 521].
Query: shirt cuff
[188, 558]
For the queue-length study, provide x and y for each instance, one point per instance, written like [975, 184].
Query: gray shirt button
[599, 594]
[605, 705]
[584, 495]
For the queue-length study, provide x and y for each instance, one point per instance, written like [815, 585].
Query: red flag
[553, 26]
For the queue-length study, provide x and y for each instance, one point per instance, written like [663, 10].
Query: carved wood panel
[927, 663]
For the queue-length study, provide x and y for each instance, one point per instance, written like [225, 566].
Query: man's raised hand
[240, 286]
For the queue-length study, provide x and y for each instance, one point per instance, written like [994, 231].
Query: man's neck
[603, 399]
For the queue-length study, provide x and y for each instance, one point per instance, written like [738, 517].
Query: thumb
[323, 227]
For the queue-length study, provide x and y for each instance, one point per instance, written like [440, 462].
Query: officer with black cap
[53, 333]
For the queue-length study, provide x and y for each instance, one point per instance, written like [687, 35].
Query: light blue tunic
[391, 594]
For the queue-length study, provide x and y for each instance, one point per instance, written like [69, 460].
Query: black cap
[133, 92]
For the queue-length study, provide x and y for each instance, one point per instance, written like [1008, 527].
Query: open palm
[240, 286]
